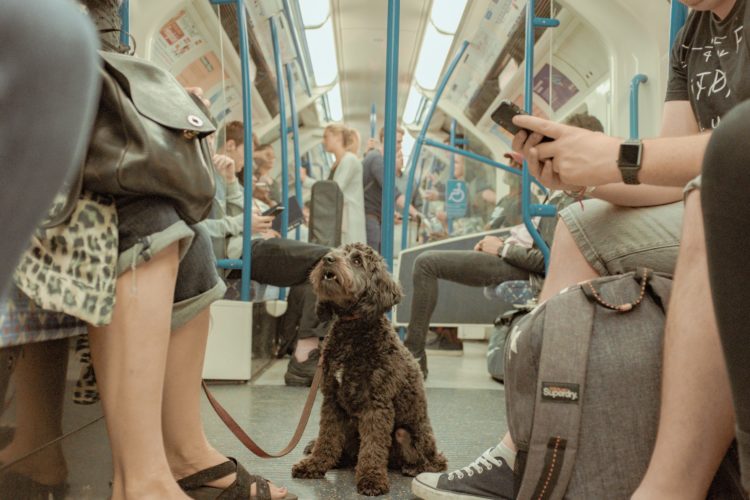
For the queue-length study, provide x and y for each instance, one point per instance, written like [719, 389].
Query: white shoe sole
[429, 493]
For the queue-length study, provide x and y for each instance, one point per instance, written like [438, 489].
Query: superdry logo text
[560, 392]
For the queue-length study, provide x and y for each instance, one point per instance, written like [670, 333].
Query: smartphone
[504, 114]
[274, 211]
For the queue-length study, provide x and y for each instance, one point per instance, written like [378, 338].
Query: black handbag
[148, 138]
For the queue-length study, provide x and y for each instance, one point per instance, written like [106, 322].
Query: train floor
[466, 407]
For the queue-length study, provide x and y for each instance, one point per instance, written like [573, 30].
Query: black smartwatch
[629, 161]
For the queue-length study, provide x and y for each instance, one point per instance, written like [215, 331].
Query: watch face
[630, 154]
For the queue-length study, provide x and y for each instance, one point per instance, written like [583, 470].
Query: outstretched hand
[575, 157]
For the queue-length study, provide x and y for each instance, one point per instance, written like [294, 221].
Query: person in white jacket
[347, 173]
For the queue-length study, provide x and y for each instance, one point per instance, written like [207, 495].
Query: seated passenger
[696, 417]
[347, 173]
[507, 212]
[492, 262]
[225, 224]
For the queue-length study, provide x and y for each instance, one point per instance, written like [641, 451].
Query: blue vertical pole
[389, 152]
[452, 170]
[125, 23]
[373, 122]
[634, 86]
[677, 16]
[247, 119]
[295, 136]
[283, 136]
[283, 132]
[527, 209]
[422, 134]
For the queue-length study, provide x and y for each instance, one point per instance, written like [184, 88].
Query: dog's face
[354, 279]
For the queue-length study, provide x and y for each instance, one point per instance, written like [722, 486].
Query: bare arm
[579, 157]
[677, 160]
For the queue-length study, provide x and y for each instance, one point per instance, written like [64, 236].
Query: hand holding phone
[274, 211]
[504, 114]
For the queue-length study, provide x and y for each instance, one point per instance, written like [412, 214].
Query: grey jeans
[467, 267]
[48, 90]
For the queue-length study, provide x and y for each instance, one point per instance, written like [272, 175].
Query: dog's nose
[329, 259]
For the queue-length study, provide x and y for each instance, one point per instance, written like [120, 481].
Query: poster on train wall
[554, 87]
[499, 21]
[182, 49]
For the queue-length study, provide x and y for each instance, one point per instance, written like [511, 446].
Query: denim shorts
[616, 239]
[148, 225]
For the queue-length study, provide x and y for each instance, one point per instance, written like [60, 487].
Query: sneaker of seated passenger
[301, 373]
[489, 476]
[446, 343]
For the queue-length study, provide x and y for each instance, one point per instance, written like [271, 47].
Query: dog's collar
[351, 317]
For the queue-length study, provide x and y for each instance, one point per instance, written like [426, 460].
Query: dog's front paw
[307, 469]
[373, 484]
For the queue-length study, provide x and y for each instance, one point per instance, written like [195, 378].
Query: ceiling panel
[360, 28]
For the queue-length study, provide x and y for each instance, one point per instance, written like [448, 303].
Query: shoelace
[485, 460]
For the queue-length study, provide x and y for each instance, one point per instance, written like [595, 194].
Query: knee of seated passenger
[564, 243]
[693, 242]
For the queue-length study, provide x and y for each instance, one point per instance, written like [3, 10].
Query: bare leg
[129, 357]
[567, 265]
[40, 388]
[696, 422]
[187, 447]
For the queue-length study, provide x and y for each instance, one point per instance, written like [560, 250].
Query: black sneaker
[301, 374]
[489, 476]
[445, 343]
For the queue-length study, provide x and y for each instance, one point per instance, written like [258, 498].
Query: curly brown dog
[374, 409]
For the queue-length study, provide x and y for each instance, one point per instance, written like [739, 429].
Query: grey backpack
[582, 385]
[582, 382]
[326, 213]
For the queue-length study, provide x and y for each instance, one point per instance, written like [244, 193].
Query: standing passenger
[347, 173]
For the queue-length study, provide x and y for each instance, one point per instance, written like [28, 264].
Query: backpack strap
[561, 384]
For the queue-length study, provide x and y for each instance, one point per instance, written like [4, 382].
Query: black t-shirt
[710, 64]
[372, 180]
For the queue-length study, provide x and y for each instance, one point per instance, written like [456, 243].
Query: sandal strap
[240, 488]
[204, 476]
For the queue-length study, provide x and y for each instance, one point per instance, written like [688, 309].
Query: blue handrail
[373, 122]
[421, 138]
[297, 48]
[634, 86]
[677, 15]
[389, 146]
[452, 174]
[247, 117]
[295, 136]
[528, 210]
[283, 136]
[481, 159]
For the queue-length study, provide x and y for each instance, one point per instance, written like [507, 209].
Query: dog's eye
[356, 260]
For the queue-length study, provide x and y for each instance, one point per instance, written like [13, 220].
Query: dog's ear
[324, 311]
[388, 292]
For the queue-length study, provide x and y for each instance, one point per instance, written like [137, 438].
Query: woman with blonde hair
[347, 173]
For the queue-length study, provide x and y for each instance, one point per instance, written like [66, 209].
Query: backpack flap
[560, 392]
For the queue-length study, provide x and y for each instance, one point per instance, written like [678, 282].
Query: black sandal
[13, 484]
[195, 484]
